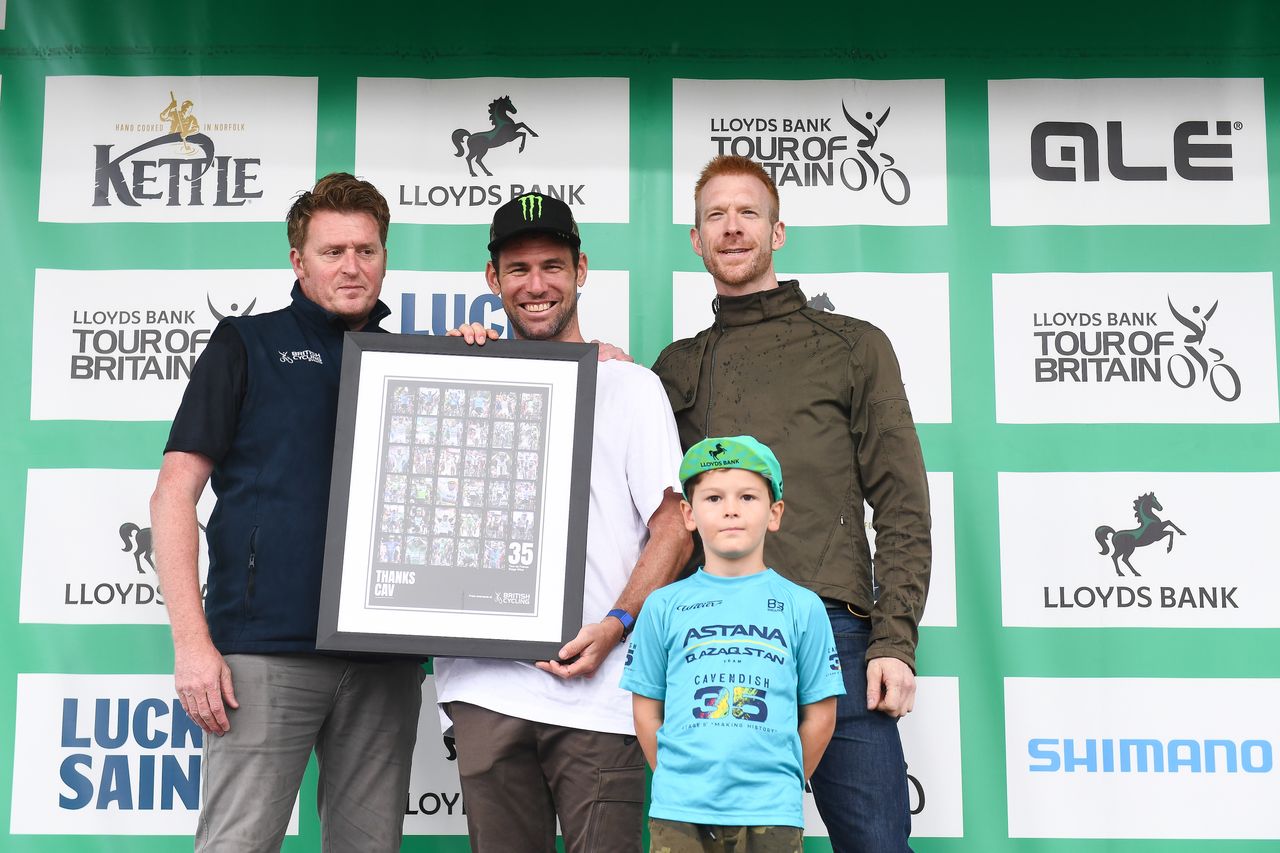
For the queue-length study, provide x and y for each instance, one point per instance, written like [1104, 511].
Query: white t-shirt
[635, 458]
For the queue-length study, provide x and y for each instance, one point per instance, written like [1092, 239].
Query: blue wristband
[628, 621]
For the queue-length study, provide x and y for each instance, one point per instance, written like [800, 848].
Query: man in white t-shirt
[557, 739]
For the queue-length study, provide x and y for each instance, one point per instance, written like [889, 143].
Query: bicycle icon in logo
[893, 182]
[1183, 372]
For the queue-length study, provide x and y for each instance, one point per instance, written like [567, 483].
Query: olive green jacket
[824, 391]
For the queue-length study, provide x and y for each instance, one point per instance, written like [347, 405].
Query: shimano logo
[1149, 755]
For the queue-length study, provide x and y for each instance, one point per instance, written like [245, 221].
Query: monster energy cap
[739, 451]
[533, 213]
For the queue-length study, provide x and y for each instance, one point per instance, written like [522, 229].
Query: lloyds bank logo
[504, 129]
[1151, 529]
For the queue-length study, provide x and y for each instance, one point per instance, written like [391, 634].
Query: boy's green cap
[738, 451]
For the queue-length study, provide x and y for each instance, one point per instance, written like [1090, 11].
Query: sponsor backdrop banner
[1062, 221]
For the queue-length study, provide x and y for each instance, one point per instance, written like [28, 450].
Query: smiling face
[341, 264]
[732, 508]
[538, 284]
[737, 234]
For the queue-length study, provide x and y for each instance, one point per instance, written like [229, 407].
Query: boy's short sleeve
[819, 674]
[645, 670]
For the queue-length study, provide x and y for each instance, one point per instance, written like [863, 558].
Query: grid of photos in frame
[460, 483]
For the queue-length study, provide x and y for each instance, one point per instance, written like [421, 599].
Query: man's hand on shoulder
[203, 681]
[609, 352]
[586, 652]
[891, 687]
[474, 333]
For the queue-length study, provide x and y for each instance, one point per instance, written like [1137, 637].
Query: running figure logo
[893, 183]
[504, 130]
[1222, 377]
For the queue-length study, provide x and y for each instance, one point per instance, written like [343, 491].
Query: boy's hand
[586, 651]
[474, 333]
[891, 687]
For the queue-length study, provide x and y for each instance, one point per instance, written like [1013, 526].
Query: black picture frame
[405, 390]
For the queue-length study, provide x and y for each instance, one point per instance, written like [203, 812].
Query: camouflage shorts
[670, 836]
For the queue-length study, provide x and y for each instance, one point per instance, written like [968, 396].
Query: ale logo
[186, 155]
[505, 129]
[1080, 152]
[1187, 370]
[1151, 529]
[894, 185]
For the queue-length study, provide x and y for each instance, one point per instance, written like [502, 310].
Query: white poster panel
[435, 794]
[913, 309]
[105, 755]
[1121, 151]
[87, 555]
[1197, 347]
[176, 149]
[1142, 757]
[119, 345]
[931, 744]
[1110, 550]
[842, 152]
[451, 151]
[432, 303]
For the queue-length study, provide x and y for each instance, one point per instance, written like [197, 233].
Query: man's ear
[491, 276]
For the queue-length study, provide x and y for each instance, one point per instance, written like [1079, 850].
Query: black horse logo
[505, 129]
[138, 540]
[1151, 529]
[717, 451]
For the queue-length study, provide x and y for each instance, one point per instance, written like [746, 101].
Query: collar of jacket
[762, 305]
[317, 316]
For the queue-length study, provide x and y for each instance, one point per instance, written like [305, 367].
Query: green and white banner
[1061, 217]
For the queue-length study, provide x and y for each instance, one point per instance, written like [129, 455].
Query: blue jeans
[860, 786]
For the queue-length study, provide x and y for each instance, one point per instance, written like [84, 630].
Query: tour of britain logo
[1135, 347]
[1151, 550]
[564, 138]
[863, 151]
[176, 149]
[1128, 151]
[121, 345]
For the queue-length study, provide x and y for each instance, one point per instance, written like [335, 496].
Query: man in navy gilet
[258, 419]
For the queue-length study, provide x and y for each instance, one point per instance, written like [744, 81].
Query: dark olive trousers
[518, 776]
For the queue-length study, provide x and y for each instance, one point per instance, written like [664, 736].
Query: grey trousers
[517, 776]
[360, 718]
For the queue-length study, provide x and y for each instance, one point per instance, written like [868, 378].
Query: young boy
[734, 670]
